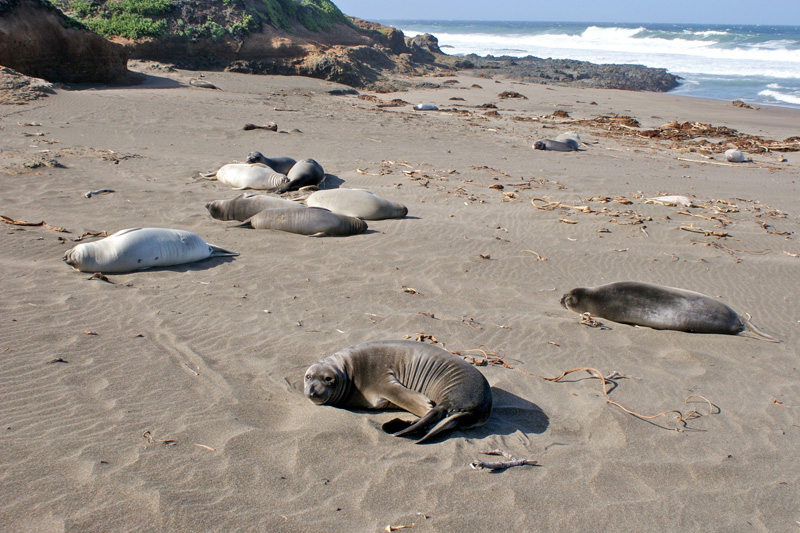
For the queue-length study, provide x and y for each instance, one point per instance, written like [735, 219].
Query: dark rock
[38, 40]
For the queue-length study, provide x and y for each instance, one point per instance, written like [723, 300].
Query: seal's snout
[564, 301]
[254, 157]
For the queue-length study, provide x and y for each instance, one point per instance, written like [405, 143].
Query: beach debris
[489, 358]
[271, 127]
[409, 290]
[735, 155]
[550, 206]
[769, 228]
[98, 191]
[426, 107]
[101, 277]
[706, 233]
[739, 103]
[587, 319]
[148, 435]
[512, 94]
[682, 418]
[57, 360]
[568, 221]
[90, 332]
[495, 466]
[343, 92]
[670, 200]
[391, 528]
[538, 257]
[14, 222]
[209, 448]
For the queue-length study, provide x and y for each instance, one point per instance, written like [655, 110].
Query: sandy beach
[170, 399]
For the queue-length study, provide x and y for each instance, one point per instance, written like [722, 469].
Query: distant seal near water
[246, 205]
[280, 164]
[567, 145]
[645, 304]
[247, 176]
[736, 156]
[302, 174]
[443, 390]
[357, 203]
[139, 248]
[309, 221]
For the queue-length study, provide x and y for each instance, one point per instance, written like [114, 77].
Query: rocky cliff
[303, 37]
[38, 40]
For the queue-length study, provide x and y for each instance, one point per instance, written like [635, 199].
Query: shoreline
[170, 398]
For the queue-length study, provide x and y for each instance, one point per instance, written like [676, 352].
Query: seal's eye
[328, 379]
[308, 377]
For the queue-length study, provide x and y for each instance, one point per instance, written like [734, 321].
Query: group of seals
[443, 390]
[276, 174]
[139, 248]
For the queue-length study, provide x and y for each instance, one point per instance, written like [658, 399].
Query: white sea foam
[621, 45]
[781, 97]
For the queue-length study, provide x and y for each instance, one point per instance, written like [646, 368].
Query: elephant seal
[246, 205]
[563, 137]
[139, 248]
[437, 386]
[280, 164]
[309, 221]
[426, 107]
[645, 304]
[357, 203]
[303, 173]
[567, 145]
[736, 156]
[246, 176]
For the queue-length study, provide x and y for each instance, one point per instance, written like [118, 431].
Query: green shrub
[127, 25]
[140, 7]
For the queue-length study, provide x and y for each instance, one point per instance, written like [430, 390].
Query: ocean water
[756, 64]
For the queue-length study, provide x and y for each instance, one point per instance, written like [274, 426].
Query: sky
[767, 12]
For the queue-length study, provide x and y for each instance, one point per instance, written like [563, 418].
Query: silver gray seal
[309, 221]
[442, 389]
[246, 205]
[357, 203]
[302, 174]
[567, 145]
[645, 304]
[139, 248]
[281, 164]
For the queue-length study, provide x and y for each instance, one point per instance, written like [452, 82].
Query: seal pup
[246, 176]
[443, 390]
[280, 164]
[303, 173]
[671, 200]
[246, 205]
[134, 249]
[568, 145]
[357, 203]
[426, 107]
[736, 156]
[309, 221]
[658, 307]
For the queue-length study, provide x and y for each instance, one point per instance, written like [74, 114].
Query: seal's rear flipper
[216, 251]
[437, 418]
[755, 333]
[395, 425]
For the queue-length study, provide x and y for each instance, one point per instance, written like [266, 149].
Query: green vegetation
[213, 19]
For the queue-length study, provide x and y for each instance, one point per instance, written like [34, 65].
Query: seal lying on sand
[246, 205]
[440, 388]
[567, 145]
[303, 173]
[309, 221]
[245, 176]
[357, 203]
[138, 248]
[736, 156]
[280, 164]
[645, 304]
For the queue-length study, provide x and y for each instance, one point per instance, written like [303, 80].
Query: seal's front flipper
[407, 399]
[216, 251]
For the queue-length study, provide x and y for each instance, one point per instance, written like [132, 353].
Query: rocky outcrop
[16, 88]
[569, 72]
[38, 40]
